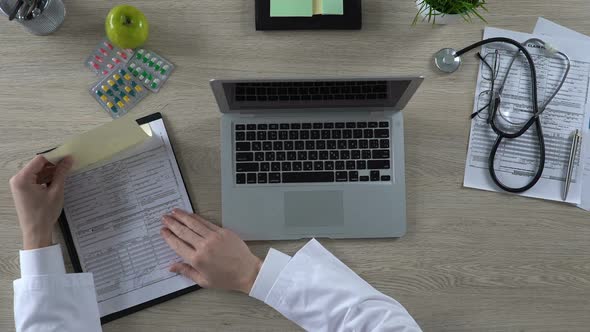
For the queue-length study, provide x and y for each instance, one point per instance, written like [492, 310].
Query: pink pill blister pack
[106, 57]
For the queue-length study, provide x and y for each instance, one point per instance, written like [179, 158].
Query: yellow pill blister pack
[118, 92]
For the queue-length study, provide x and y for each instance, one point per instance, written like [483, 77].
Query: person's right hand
[215, 257]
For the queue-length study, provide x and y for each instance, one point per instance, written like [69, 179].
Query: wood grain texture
[471, 261]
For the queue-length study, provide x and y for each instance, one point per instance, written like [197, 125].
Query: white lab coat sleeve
[48, 299]
[319, 293]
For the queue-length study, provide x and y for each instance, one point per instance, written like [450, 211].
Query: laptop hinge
[245, 115]
[377, 113]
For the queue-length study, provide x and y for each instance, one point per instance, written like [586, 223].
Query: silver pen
[570, 165]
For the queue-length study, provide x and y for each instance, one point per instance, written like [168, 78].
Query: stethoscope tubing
[535, 119]
[533, 73]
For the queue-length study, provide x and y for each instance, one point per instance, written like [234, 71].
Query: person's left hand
[38, 192]
[214, 257]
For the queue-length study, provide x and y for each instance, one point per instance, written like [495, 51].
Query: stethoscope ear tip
[446, 60]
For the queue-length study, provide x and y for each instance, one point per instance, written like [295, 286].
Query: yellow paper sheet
[317, 7]
[101, 143]
[328, 7]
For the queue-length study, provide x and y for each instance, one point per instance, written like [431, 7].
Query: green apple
[126, 26]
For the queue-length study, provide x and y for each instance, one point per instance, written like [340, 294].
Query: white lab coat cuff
[56, 303]
[53, 283]
[272, 266]
[43, 261]
[284, 284]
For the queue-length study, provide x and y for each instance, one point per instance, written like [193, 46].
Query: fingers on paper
[189, 272]
[195, 224]
[61, 172]
[205, 222]
[181, 230]
[179, 246]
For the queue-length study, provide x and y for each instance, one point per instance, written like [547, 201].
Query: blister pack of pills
[150, 69]
[118, 92]
[106, 57]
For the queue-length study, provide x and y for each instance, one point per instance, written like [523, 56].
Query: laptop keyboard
[320, 90]
[318, 152]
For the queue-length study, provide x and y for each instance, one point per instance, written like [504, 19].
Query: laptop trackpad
[313, 208]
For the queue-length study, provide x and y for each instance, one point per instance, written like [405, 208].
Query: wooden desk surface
[471, 260]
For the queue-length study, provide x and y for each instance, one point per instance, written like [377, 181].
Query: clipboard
[64, 226]
[351, 20]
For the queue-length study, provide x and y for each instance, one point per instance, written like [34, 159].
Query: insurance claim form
[114, 213]
[546, 27]
[517, 159]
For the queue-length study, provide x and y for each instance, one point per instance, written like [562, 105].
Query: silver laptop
[307, 158]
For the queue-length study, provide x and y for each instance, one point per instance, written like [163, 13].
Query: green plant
[466, 8]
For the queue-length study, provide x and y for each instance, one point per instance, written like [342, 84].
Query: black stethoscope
[449, 60]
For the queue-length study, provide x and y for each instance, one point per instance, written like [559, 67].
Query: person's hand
[215, 257]
[38, 192]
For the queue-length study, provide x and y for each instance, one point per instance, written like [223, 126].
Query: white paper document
[114, 213]
[517, 159]
[548, 28]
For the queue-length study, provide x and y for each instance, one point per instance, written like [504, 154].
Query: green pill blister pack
[150, 69]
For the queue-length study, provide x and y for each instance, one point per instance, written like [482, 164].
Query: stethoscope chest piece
[446, 60]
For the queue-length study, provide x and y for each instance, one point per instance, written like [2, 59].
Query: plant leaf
[465, 8]
[478, 15]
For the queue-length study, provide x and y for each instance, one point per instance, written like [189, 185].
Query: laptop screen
[260, 95]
